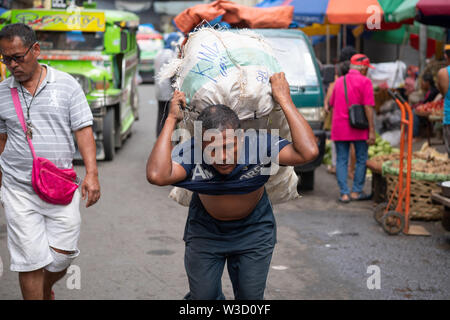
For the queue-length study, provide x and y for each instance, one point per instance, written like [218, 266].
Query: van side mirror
[113, 39]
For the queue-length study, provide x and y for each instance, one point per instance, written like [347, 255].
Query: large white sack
[224, 67]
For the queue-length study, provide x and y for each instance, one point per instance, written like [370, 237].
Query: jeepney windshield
[70, 40]
[295, 60]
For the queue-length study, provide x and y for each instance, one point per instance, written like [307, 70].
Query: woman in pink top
[359, 91]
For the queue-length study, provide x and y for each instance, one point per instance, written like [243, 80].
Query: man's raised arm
[161, 170]
[304, 146]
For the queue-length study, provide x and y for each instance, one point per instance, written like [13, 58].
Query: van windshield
[295, 61]
[70, 40]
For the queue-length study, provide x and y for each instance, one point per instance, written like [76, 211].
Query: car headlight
[315, 114]
[83, 81]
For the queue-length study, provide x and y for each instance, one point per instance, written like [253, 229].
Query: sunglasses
[18, 59]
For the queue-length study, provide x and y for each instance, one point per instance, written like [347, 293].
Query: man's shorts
[246, 245]
[33, 226]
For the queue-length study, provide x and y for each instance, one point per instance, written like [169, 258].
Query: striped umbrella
[351, 12]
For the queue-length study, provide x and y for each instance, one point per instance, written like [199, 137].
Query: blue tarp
[306, 12]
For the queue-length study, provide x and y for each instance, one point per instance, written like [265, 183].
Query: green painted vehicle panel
[109, 62]
[85, 68]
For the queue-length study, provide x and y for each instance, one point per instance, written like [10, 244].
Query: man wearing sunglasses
[42, 237]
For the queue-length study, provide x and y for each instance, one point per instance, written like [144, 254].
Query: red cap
[361, 60]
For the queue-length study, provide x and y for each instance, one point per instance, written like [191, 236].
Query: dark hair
[219, 117]
[342, 68]
[24, 32]
[428, 77]
[347, 53]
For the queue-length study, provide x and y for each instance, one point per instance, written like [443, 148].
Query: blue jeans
[359, 178]
[246, 245]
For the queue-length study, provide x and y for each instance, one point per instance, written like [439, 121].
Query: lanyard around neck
[32, 98]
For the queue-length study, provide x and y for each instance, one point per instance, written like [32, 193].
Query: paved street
[131, 241]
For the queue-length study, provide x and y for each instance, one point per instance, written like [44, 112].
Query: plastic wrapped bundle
[224, 67]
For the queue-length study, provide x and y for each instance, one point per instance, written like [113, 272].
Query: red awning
[434, 7]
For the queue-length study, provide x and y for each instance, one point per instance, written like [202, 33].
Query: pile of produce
[427, 153]
[381, 148]
[434, 108]
[427, 164]
[327, 156]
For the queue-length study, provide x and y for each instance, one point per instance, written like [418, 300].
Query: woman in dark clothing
[428, 86]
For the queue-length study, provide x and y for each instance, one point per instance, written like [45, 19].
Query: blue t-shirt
[447, 102]
[251, 172]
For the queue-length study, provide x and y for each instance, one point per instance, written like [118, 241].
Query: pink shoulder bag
[52, 184]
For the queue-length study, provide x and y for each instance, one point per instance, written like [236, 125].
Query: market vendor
[427, 86]
[444, 87]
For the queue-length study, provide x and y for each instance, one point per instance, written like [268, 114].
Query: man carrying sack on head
[230, 217]
[40, 107]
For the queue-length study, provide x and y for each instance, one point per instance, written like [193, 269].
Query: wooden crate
[421, 204]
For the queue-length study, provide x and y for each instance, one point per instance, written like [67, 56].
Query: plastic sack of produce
[224, 67]
[232, 68]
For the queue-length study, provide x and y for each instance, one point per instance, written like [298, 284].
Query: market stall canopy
[434, 12]
[403, 34]
[351, 11]
[398, 10]
[393, 13]
[234, 14]
[306, 12]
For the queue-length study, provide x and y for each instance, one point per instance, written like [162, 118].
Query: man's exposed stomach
[231, 206]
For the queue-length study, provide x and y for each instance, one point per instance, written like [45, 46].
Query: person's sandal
[362, 197]
[342, 200]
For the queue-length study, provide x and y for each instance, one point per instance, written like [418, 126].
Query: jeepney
[98, 48]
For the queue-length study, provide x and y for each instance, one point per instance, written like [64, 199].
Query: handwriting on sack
[262, 76]
[212, 60]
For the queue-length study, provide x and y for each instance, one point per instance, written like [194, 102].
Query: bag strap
[345, 88]
[19, 111]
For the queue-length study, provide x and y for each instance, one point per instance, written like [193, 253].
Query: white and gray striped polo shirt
[59, 108]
